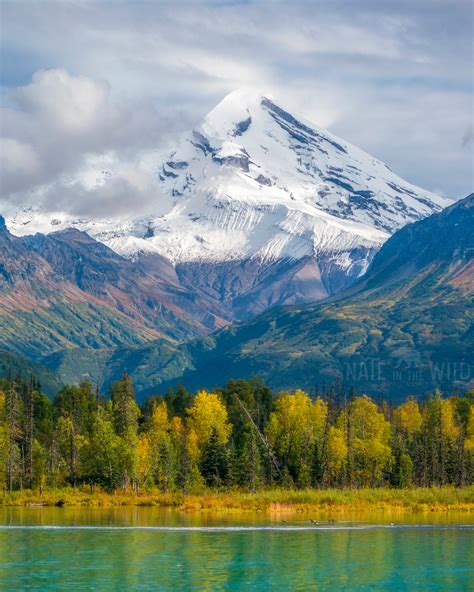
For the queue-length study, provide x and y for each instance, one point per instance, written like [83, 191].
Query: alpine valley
[257, 208]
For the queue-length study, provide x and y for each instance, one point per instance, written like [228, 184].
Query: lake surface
[130, 549]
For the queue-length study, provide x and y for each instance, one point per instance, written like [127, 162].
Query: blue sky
[82, 78]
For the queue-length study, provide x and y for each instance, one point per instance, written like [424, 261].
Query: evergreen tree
[14, 413]
[179, 401]
[124, 406]
[214, 463]
[250, 461]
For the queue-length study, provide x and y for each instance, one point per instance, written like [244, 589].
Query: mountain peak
[281, 159]
[246, 96]
[234, 113]
[255, 182]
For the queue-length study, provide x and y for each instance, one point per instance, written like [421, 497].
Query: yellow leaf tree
[337, 455]
[294, 428]
[368, 437]
[161, 447]
[407, 417]
[208, 413]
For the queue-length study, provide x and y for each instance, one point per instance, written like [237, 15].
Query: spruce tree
[214, 461]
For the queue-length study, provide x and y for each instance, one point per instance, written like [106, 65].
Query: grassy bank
[436, 499]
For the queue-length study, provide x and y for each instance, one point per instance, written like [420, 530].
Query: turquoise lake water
[55, 549]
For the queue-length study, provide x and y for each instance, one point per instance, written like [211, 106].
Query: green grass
[436, 499]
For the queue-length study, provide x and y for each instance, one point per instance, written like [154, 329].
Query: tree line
[240, 436]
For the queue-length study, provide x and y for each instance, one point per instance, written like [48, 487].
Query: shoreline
[436, 499]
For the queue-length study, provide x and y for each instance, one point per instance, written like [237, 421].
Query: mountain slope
[405, 327]
[12, 365]
[67, 290]
[258, 207]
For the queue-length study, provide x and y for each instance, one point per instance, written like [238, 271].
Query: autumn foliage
[240, 436]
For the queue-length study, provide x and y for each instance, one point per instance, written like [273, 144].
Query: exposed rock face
[146, 287]
[246, 288]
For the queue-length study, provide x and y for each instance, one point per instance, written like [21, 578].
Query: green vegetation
[417, 499]
[409, 337]
[64, 324]
[13, 364]
[241, 438]
[406, 337]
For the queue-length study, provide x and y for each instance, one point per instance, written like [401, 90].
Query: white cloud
[17, 159]
[54, 125]
[92, 78]
[128, 192]
[69, 104]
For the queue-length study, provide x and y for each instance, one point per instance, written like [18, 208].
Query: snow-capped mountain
[262, 208]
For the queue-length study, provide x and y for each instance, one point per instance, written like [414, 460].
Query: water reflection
[155, 516]
[431, 558]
